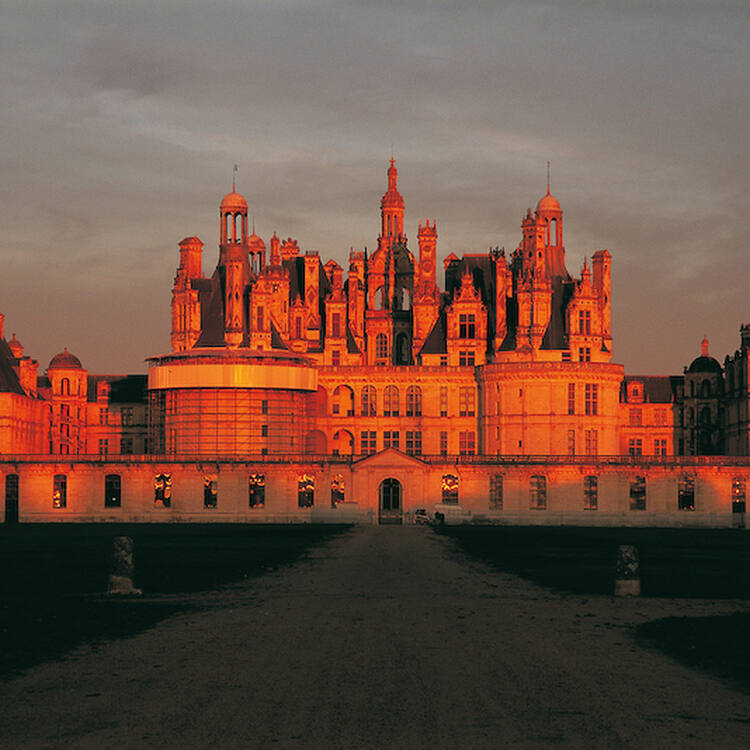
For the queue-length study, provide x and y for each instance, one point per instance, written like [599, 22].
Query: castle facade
[492, 395]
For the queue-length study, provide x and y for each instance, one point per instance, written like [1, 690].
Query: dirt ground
[382, 638]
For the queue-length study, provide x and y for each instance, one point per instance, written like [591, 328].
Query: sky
[122, 122]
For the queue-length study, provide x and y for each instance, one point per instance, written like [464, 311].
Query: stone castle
[494, 395]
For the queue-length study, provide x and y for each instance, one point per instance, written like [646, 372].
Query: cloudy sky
[122, 121]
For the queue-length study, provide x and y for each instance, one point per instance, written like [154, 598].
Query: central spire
[391, 209]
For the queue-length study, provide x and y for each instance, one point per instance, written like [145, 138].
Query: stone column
[121, 575]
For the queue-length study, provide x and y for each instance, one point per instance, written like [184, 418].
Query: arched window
[342, 402]
[380, 298]
[381, 347]
[403, 350]
[706, 389]
[405, 299]
[413, 401]
[65, 387]
[390, 401]
[369, 401]
[552, 238]
[210, 490]
[60, 491]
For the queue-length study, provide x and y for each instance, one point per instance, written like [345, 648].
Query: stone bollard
[628, 573]
[121, 575]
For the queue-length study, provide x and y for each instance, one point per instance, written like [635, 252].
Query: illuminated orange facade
[280, 359]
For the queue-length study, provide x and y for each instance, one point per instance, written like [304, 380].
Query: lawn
[52, 575]
[710, 563]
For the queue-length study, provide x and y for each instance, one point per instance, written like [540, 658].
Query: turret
[391, 211]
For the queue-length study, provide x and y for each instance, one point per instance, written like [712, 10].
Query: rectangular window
[660, 417]
[298, 328]
[443, 443]
[443, 400]
[256, 490]
[449, 489]
[660, 447]
[210, 490]
[126, 446]
[466, 326]
[466, 359]
[163, 490]
[571, 442]
[739, 490]
[112, 491]
[103, 446]
[571, 398]
[306, 491]
[60, 491]
[444, 360]
[368, 401]
[260, 318]
[635, 447]
[496, 492]
[466, 443]
[590, 493]
[466, 406]
[584, 322]
[126, 416]
[635, 417]
[591, 405]
[336, 325]
[337, 490]
[584, 354]
[264, 430]
[538, 492]
[104, 416]
[686, 493]
[638, 493]
[336, 358]
[391, 439]
[369, 441]
[566, 356]
[264, 406]
[414, 442]
[592, 442]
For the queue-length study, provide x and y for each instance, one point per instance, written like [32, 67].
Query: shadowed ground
[383, 637]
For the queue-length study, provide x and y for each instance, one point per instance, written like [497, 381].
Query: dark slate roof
[435, 342]
[705, 364]
[351, 344]
[9, 382]
[276, 341]
[212, 311]
[482, 274]
[554, 336]
[124, 389]
[657, 389]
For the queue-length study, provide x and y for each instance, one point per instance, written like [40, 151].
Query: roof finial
[704, 346]
[234, 179]
[253, 223]
[547, 176]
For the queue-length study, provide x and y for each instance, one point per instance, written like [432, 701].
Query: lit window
[538, 492]
[256, 490]
[739, 490]
[210, 490]
[60, 491]
[450, 488]
[686, 492]
[305, 491]
[337, 489]
[163, 490]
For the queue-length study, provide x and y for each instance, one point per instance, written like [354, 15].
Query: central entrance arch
[390, 505]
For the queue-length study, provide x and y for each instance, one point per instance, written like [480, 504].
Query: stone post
[121, 575]
[628, 572]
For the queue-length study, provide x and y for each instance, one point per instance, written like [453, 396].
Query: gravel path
[382, 638]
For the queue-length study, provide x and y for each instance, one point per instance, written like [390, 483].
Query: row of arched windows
[342, 402]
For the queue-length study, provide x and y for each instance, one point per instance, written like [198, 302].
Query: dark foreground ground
[52, 577]
[383, 637]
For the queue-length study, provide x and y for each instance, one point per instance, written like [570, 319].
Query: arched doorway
[390, 501]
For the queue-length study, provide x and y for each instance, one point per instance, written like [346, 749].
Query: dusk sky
[122, 122]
